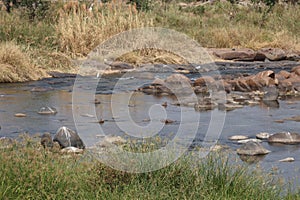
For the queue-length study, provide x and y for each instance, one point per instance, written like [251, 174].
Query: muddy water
[250, 120]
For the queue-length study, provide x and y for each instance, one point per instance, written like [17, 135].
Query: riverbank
[53, 40]
[30, 171]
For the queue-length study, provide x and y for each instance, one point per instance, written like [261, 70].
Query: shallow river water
[250, 120]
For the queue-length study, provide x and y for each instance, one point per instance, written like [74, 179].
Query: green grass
[28, 171]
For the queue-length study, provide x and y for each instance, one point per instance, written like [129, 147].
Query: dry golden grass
[154, 56]
[53, 60]
[16, 65]
[80, 30]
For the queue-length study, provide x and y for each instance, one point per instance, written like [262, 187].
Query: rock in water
[285, 138]
[46, 110]
[288, 159]
[252, 149]
[270, 93]
[46, 140]
[238, 137]
[67, 138]
[262, 135]
[20, 115]
[249, 140]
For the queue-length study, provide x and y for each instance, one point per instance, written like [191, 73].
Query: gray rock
[72, 150]
[288, 159]
[46, 110]
[263, 135]
[285, 138]
[270, 93]
[46, 140]
[273, 54]
[238, 137]
[252, 149]
[67, 138]
[249, 140]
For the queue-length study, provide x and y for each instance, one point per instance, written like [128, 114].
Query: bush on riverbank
[28, 171]
[72, 29]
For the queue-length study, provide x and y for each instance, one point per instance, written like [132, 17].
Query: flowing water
[250, 120]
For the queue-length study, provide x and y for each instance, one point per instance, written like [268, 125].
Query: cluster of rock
[253, 147]
[245, 54]
[45, 110]
[68, 140]
[240, 90]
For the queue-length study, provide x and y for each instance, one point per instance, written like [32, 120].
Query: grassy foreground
[28, 171]
[70, 30]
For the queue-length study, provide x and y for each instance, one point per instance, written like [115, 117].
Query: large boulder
[252, 149]
[67, 138]
[285, 138]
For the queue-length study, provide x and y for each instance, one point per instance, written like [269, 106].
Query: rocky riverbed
[249, 98]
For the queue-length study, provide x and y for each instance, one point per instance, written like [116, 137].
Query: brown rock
[282, 75]
[273, 54]
[177, 79]
[20, 115]
[296, 70]
[178, 84]
[235, 54]
[204, 81]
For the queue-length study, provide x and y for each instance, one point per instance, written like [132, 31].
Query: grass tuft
[16, 65]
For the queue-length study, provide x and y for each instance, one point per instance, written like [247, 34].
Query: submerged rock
[252, 159]
[252, 149]
[270, 93]
[67, 138]
[285, 138]
[295, 118]
[46, 110]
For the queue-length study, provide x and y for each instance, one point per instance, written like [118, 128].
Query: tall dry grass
[229, 25]
[80, 29]
[16, 65]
